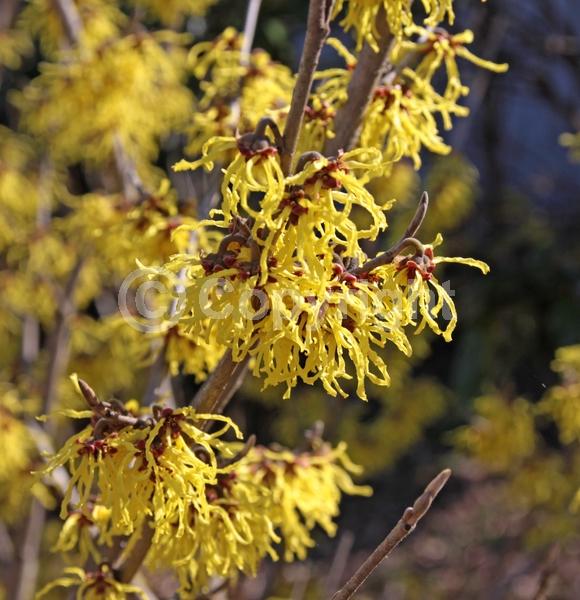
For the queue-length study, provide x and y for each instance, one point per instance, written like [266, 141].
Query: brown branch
[402, 529]
[317, 30]
[244, 450]
[29, 554]
[406, 241]
[548, 574]
[369, 68]
[221, 385]
[418, 217]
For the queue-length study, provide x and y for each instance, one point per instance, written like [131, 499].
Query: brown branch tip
[405, 525]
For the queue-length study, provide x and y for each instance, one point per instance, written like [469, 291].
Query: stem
[29, 555]
[60, 343]
[59, 355]
[317, 30]
[128, 569]
[418, 217]
[402, 529]
[221, 385]
[369, 68]
[387, 257]
[71, 20]
[249, 30]
[407, 240]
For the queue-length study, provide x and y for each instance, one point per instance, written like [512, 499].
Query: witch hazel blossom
[212, 504]
[290, 286]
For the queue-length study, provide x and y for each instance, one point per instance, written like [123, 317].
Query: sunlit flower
[306, 489]
[363, 16]
[440, 48]
[142, 467]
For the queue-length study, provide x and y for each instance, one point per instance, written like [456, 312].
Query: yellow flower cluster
[440, 48]
[305, 490]
[145, 470]
[367, 16]
[216, 508]
[234, 93]
[288, 285]
[18, 454]
[101, 21]
[502, 436]
[404, 113]
[111, 91]
[93, 585]
[562, 402]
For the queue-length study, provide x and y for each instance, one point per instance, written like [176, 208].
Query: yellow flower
[562, 402]
[401, 118]
[254, 168]
[571, 141]
[440, 48]
[143, 468]
[93, 585]
[417, 280]
[306, 489]
[195, 355]
[77, 532]
[363, 16]
[14, 45]
[501, 435]
[234, 536]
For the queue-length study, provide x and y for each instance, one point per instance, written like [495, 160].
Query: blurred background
[493, 405]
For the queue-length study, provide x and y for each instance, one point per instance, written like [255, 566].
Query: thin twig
[249, 31]
[369, 68]
[317, 30]
[127, 569]
[407, 240]
[402, 529]
[29, 554]
[59, 356]
[339, 562]
[71, 20]
[548, 574]
[249, 444]
[60, 344]
[418, 217]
